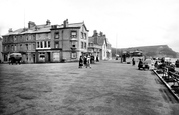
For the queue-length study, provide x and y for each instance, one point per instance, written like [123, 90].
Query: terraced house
[47, 43]
[20, 41]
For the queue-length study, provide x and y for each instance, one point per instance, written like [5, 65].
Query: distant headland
[153, 51]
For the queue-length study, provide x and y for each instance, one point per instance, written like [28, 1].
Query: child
[88, 62]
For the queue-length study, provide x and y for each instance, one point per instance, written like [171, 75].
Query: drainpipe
[62, 45]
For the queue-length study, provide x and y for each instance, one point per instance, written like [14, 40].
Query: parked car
[15, 58]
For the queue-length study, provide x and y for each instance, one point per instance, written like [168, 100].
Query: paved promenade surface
[108, 88]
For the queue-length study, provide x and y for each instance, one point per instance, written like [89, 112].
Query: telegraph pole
[116, 44]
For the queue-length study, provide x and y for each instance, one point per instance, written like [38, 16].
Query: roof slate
[42, 28]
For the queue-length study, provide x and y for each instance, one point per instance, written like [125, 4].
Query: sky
[126, 23]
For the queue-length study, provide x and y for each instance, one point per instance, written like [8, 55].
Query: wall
[1, 57]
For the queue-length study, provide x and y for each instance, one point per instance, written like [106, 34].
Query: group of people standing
[86, 61]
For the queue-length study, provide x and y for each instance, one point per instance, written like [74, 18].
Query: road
[108, 88]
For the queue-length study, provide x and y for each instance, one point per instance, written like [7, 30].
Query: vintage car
[15, 58]
[143, 65]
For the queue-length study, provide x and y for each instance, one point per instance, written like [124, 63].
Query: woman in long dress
[80, 62]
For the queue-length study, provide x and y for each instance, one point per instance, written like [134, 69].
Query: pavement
[108, 88]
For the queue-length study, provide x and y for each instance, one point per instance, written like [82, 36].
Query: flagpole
[116, 43]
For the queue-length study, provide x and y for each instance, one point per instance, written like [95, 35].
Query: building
[47, 43]
[28, 41]
[99, 46]
[69, 41]
[43, 41]
[1, 58]
[20, 41]
[109, 50]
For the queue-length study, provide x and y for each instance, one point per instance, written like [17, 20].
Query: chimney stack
[95, 33]
[10, 30]
[48, 22]
[31, 25]
[101, 33]
[65, 23]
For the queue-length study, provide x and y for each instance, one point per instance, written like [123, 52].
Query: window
[56, 45]
[33, 36]
[30, 46]
[15, 47]
[38, 44]
[73, 44]
[56, 35]
[73, 55]
[11, 47]
[82, 45]
[45, 44]
[85, 35]
[41, 44]
[20, 46]
[49, 44]
[15, 38]
[73, 34]
[85, 45]
[81, 35]
[26, 46]
[5, 48]
[27, 38]
[33, 46]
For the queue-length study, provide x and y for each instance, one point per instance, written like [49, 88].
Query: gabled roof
[72, 25]
[101, 40]
[35, 29]
[42, 30]
[0, 37]
[77, 25]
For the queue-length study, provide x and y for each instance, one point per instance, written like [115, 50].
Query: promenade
[108, 88]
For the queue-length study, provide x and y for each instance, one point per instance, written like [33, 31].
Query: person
[156, 65]
[88, 62]
[84, 60]
[133, 61]
[140, 65]
[97, 60]
[80, 62]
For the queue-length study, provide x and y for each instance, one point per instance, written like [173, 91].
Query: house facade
[98, 46]
[1, 57]
[47, 43]
[109, 51]
[69, 41]
[19, 41]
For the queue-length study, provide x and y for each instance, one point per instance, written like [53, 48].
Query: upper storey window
[84, 35]
[73, 34]
[56, 35]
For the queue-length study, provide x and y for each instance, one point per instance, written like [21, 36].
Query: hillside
[153, 51]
